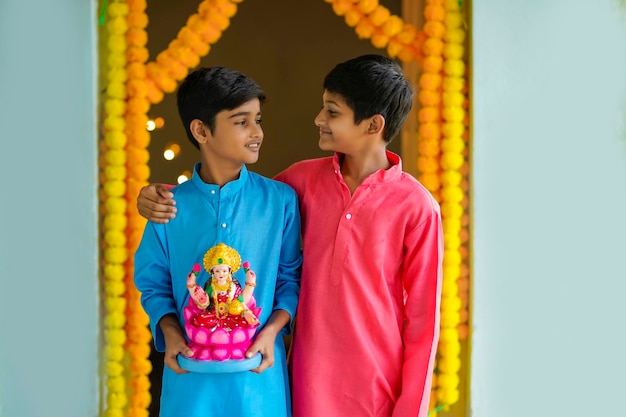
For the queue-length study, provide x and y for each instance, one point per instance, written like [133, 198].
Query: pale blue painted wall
[549, 208]
[48, 209]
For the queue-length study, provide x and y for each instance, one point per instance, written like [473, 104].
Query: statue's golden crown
[222, 254]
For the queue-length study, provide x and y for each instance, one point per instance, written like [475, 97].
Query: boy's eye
[258, 121]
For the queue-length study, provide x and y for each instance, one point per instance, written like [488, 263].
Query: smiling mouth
[255, 145]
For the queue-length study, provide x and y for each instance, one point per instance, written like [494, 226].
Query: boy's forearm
[277, 321]
[170, 326]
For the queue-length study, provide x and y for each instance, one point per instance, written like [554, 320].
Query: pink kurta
[360, 349]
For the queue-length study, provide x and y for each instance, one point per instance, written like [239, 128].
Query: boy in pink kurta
[368, 315]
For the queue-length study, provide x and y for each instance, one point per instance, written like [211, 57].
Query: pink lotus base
[217, 344]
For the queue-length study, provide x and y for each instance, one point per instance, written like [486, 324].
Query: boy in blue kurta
[223, 203]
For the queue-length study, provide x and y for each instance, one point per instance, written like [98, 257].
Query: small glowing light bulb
[182, 178]
[150, 125]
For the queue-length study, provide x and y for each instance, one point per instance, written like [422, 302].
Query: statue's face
[221, 273]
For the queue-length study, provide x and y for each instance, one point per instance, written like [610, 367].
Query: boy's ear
[199, 131]
[377, 124]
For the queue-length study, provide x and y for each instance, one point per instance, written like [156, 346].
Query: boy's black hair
[373, 84]
[210, 90]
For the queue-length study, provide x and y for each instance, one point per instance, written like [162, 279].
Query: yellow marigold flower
[435, 29]
[451, 160]
[116, 44]
[114, 353]
[449, 381]
[115, 319]
[434, 12]
[452, 4]
[115, 221]
[450, 304]
[364, 29]
[451, 271]
[453, 84]
[115, 172]
[116, 383]
[453, 144]
[453, 20]
[114, 272]
[114, 188]
[453, 114]
[116, 90]
[115, 205]
[115, 139]
[379, 15]
[114, 107]
[138, 20]
[454, 35]
[116, 60]
[116, 9]
[116, 399]
[114, 123]
[451, 193]
[368, 6]
[453, 99]
[452, 224]
[116, 255]
[115, 304]
[117, 25]
[115, 157]
[448, 396]
[111, 412]
[432, 63]
[451, 257]
[449, 288]
[451, 347]
[353, 17]
[454, 67]
[114, 336]
[429, 98]
[453, 51]
[451, 178]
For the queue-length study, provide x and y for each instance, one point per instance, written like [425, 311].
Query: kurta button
[223, 225]
[212, 191]
[348, 216]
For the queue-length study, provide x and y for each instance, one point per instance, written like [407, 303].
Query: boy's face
[338, 132]
[238, 135]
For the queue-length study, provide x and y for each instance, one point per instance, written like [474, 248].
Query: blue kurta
[258, 217]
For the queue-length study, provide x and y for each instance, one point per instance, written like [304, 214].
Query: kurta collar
[227, 190]
[380, 176]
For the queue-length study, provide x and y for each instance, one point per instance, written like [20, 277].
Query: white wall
[549, 208]
[48, 209]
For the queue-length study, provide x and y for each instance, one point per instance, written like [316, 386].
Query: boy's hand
[264, 344]
[175, 343]
[156, 203]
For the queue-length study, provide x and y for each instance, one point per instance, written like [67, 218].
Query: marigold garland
[114, 207]
[375, 22]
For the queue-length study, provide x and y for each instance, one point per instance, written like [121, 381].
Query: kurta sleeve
[290, 263]
[422, 281]
[153, 280]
